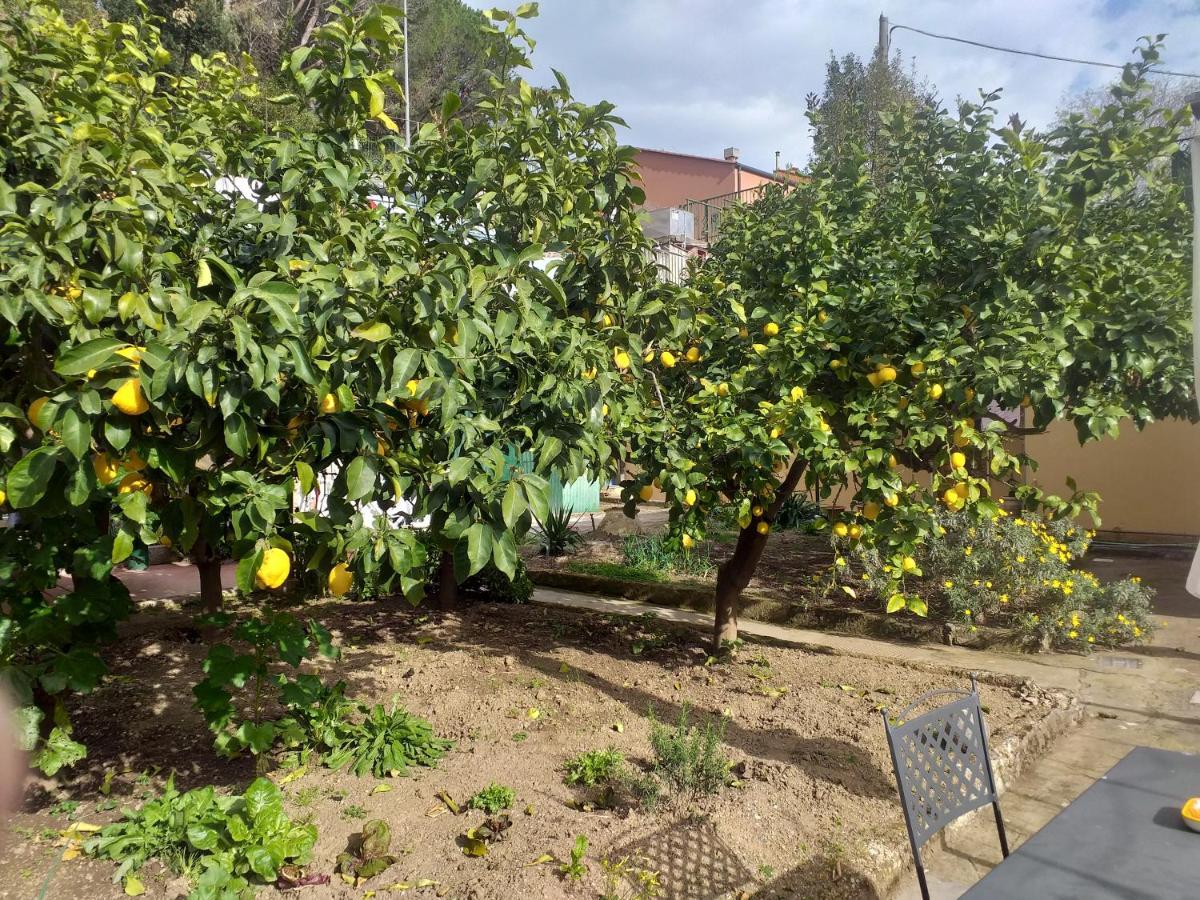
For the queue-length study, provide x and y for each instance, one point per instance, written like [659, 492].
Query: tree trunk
[209, 567]
[735, 573]
[447, 594]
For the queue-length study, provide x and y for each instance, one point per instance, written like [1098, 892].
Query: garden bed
[813, 811]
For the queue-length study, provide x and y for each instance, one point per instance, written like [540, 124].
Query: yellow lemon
[604, 409]
[621, 358]
[892, 463]
[381, 448]
[330, 404]
[687, 542]
[722, 390]
[887, 374]
[134, 461]
[871, 510]
[935, 391]
[648, 356]
[855, 531]
[960, 439]
[835, 364]
[91, 373]
[646, 491]
[607, 321]
[3, 497]
[796, 393]
[412, 384]
[134, 482]
[34, 408]
[822, 316]
[743, 332]
[841, 529]
[132, 353]
[824, 426]
[908, 564]
[958, 460]
[689, 497]
[874, 378]
[588, 375]
[104, 467]
[798, 328]
[762, 527]
[667, 359]
[693, 354]
[770, 329]
[274, 568]
[950, 495]
[969, 393]
[776, 433]
[963, 490]
[341, 579]
[891, 500]
[757, 510]
[129, 398]
[917, 368]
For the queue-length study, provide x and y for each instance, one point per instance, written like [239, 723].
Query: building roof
[715, 159]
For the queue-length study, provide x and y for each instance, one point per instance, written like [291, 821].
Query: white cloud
[703, 75]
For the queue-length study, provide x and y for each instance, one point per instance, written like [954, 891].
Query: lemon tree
[204, 315]
[881, 338]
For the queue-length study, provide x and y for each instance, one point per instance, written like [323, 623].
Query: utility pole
[1193, 100]
[407, 101]
[885, 37]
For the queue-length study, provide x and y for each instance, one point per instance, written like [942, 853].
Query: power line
[1070, 59]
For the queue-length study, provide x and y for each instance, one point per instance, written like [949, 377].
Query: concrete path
[1148, 696]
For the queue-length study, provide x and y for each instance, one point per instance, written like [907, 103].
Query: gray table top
[1121, 838]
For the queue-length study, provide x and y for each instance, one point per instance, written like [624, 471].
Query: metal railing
[709, 212]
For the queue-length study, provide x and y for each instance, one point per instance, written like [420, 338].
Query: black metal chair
[943, 767]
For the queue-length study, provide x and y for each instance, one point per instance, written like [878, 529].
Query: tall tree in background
[847, 115]
[187, 26]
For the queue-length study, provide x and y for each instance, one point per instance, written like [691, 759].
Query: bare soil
[813, 812]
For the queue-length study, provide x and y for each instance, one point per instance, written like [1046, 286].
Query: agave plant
[557, 534]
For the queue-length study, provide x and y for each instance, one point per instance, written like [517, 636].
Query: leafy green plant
[385, 742]
[616, 570]
[689, 760]
[797, 511]
[354, 811]
[576, 868]
[272, 637]
[658, 553]
[629, 878]
[1019, 571]
[594, 767]
[229, 839]
[556, 533]
[368, 855]
[493, 798]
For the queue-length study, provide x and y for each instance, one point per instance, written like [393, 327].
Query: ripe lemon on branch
[341, 580]
[274, 568]
[129, 398]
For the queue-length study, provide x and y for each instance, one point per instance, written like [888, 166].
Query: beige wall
[671, 178]
[1149, 481]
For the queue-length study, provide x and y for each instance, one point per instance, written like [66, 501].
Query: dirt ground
[813, 813]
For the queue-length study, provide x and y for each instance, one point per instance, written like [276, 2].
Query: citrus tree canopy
[201, 314]
[855, 330]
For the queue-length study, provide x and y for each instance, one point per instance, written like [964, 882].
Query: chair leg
[921, 879]
[1000, 828]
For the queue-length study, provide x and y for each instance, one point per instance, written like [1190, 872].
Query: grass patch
[618, 570]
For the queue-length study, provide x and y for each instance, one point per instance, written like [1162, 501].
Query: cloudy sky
[699, 75]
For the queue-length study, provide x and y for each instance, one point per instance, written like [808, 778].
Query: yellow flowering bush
[1019, 571]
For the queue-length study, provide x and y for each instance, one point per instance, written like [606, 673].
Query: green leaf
[917, 605]
[203, 274]
[479, 546]
[76, 432]
[360, 477]
[247, 568]
[58, 752]
[514, 504]
[93, 354]
[505, 554]
[30, 477]
[895, 603]
[122, 547]
[134, 886]
[373, 331]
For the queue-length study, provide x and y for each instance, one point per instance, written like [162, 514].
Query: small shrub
[658, 553]
[576, 869]
[557, 535]
[369, 855]
[492, 585]
[595, 767]
[1017, 571]
[493, 798]
[385, 742]
[229, 839]
[797, 511]
[689, 760]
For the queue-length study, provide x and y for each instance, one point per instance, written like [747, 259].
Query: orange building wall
[671, 178]
[1147, 480]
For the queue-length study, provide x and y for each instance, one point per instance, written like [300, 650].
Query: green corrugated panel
[580, 496]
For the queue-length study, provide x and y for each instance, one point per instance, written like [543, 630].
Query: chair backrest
[941, 758]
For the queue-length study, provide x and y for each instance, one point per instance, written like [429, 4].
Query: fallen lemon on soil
[274, 568]
[341, 579]
[129, 398]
